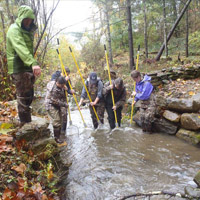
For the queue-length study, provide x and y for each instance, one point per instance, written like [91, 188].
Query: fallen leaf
[191, 93]
[20, 169]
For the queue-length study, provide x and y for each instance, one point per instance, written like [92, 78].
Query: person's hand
[66, 105]
[133, 93]
[92, 103]
[72, 91]
[114, 108]
[36, 70]
[133, 103]
[79, 104]
[67, 78]
[111, 87]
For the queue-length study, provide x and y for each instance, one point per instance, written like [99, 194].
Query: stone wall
[174, 116]
[165, 75]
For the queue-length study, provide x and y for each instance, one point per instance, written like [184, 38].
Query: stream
[109, 165]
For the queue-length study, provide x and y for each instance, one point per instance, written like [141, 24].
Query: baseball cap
[93, 77]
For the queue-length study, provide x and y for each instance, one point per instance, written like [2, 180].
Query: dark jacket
[119, 95]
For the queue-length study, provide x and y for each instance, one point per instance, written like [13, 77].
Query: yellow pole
[63, 70]
[84, 84]
[137, 62]
[113, 100]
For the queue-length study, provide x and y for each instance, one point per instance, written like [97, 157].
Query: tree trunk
[175, 15]
[172, 29]
[130, 36]
[108, 34]
[3, 28]
[8, 11]
[165, 28]
[187, 34]
[145, 29]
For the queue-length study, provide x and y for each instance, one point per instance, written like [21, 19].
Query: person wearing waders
[119, 93]
[22, 65]
[95, 87]
[144, 93]
[69, 91]
[56, 105]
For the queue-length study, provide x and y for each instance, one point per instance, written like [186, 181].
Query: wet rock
[171, 116]
[37, 129]
[192, 193]
[190, 121]
[180, 105]
[164, 126]
[196, 102]
[197, 178]
[189, 136]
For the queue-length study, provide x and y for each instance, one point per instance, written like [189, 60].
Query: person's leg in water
[111, 117]
[119, 115]
[94, 118]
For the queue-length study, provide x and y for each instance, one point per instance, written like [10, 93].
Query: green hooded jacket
[20, 43]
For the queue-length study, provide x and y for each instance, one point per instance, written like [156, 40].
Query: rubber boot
[63, 131]
[57, 132]
[64, 126]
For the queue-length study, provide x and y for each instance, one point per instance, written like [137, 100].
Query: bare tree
[108, 33]
[165, 28]
[145, 29]
[172, 30]
[187, 34]
[130, 36]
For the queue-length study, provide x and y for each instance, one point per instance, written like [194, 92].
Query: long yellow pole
[63, 69]
[137, 62]
[113, 100]
[84, 84]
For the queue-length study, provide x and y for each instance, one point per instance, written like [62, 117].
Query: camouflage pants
[100, 108]
[25, 92]
[147, 112]
[58, 116]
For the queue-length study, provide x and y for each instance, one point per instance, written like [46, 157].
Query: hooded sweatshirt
[20, 43]
[144, 89]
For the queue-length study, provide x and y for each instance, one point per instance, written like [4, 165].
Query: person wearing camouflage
[95, 87]
[56, 105]
[144, 93]
[54, 76]
[119, 92]
[22, 65]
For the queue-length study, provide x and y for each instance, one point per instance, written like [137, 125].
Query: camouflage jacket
[55, 96]
[119, 95]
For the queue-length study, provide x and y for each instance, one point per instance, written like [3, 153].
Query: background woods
[170, 25]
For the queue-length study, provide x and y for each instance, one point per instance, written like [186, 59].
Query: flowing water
[109, 165]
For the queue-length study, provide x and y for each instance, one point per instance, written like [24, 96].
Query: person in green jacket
[22, 65]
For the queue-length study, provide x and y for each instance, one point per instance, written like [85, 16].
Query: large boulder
[164, 126]
[196, 102]
[197, 179]
[192, 193]
[171, 116]
[189, 136]
[37, 129]
[180, 105]
[190, 121]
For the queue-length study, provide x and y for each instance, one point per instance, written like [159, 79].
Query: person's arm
[145, 93]
[17, 40]
[122, 100]
[107, 87]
